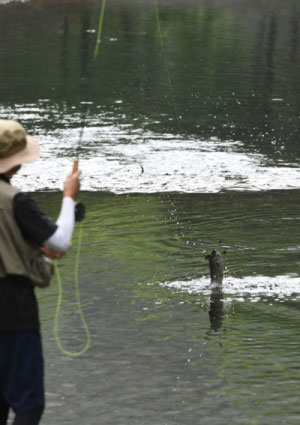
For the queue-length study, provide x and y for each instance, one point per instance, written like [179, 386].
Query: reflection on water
[216, 308]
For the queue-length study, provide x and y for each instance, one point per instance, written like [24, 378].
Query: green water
[166, 356]
[221, 94]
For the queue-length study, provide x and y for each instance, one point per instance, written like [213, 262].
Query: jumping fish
[216, 268]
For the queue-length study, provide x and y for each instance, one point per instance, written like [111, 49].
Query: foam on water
[111, 156]
[169, 163]
[253, 287]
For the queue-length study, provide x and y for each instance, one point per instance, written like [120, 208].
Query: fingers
[50, 253]
[77, 173]
[74, 175]
[72, 182]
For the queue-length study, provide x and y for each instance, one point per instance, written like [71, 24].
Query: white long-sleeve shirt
[60, 241]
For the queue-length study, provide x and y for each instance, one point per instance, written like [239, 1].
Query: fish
[216, 268]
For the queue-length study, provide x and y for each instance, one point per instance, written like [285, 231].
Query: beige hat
[16, 147]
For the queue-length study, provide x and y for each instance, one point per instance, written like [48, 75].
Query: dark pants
[21, 377]
[31, 417]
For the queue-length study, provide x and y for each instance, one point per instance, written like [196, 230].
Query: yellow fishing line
[100, 26]
[59, 304]
[162, 45]
[158, 24]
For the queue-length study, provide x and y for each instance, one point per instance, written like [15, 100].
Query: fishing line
[89, 75]
[78, 304]
[162, 45]
[86, 103]
[100, 27]
[172, 92]
[81, 215]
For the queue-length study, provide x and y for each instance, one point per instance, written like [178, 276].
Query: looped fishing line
[78, 300]
[76, 271]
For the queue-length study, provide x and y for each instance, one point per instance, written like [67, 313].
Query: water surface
[165, 348]
[191, 125]
[203, 94]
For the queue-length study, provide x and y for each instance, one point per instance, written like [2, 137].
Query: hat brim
[29, 154]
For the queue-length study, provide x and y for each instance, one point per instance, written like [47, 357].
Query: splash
[253, 287]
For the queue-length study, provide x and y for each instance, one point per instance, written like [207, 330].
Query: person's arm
[60, 240]
[39, 228]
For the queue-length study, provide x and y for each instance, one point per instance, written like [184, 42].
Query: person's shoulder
[21, 199]
[21, 196]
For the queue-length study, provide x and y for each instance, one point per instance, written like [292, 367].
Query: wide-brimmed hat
[16, 146]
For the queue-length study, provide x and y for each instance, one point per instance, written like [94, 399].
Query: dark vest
[18, 256]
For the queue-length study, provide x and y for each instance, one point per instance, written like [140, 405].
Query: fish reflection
[216, 308]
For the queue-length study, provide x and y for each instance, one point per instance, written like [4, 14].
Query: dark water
[211, 104]
[209, 111]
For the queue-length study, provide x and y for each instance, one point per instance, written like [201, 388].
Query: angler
[29, 239]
